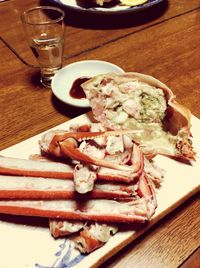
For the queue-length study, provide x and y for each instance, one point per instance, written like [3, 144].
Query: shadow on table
[25, 220]
[68, 110]
[61, 107]
[110, 21]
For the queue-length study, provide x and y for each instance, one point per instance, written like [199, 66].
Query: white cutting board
[26, 244]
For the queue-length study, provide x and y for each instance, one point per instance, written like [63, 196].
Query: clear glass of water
[44, 27]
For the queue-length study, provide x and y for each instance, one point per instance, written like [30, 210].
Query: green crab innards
[140, 102]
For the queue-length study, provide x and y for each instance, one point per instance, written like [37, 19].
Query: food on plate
[24, 187]
[94, 236]
[102, 210]
[138, 208]
[59, 228]
[134, 101]
[102, 2]
[100, 153]
[48, 185]
[34, 168]
[122, 2]
[91, 236]
[91, 179]
[133, 2]
[99, 2]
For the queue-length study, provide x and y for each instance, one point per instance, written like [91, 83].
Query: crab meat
[29, 167]
[117, 152]
[84, 178]
[21, 187]
[40, 168]
[43, 188]
[153, 172]
[96, 210]
[146, 191]
[138, 208]
[59, 228]
[66, 144]
[142, 103]
[94, 236]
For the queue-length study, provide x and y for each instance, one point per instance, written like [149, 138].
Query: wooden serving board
[26, 242]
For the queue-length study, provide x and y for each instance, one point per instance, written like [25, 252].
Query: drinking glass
[45, 29]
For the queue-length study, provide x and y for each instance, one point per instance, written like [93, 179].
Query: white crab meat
[28, 167]
[94, 236]
[100, 210]
[59, 228]
[84, 178]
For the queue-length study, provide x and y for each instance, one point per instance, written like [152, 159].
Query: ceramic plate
[115, 9]
[28, 244]
[63, 80]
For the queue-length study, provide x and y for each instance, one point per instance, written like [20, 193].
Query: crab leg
[137, 159]
[80, 136]
[137, 163]
[146, 190]
[66, 144]
[35, 168]
[95, 210]
[16, 187]
[68, 150]
[107, 174]
[42, 168]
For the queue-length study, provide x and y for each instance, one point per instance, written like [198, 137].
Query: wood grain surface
[156, 249]
[163, 41]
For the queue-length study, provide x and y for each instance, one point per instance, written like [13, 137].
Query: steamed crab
[119, 168]
[144, 104]
[91, 177]
[98, 175]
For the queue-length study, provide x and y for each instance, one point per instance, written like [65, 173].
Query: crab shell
[177, 117]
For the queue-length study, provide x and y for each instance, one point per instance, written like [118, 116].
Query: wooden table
[163, 41]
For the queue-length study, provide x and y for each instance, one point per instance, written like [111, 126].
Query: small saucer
[63, 80]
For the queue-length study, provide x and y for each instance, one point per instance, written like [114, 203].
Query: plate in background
[114, 9]
[63, 80]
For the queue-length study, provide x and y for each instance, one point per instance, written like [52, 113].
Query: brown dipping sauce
[76, 90]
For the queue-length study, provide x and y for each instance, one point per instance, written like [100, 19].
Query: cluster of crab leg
[121, 191]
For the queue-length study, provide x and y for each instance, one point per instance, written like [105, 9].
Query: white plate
[38, 249]
[114, 9]
[64, 78]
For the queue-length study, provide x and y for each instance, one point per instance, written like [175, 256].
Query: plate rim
[104, 11]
